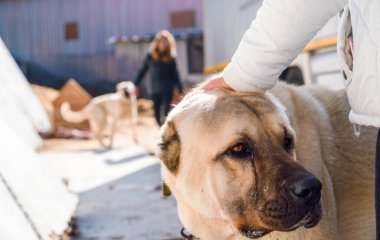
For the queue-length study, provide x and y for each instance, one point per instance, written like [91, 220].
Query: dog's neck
[204, 227]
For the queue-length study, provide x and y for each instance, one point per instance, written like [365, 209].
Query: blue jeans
[161, 105]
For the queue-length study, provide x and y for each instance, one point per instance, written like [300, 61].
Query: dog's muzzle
[305, 190]
[254, 234]
[298, 206]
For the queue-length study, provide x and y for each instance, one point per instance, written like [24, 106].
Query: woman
[164, 73]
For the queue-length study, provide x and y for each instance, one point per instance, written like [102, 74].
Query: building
[54, 40]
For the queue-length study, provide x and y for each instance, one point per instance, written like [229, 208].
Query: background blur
[101, 42]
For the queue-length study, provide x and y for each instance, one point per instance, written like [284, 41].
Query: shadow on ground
[126, 159]
[131, 207]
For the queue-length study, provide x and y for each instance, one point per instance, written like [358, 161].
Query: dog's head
[126, 88]
[231, 156]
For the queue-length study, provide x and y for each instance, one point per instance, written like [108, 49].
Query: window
[182, 19]
[195, 55]
[71, 31]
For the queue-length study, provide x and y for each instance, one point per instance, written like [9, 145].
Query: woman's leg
[168, 97]
[157, 98]
[377, 186]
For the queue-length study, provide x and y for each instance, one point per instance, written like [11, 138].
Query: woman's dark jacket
[164, 75]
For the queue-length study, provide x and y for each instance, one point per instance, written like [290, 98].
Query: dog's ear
[165, 190]
[170, 147]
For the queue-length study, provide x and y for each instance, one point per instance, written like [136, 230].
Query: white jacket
[283, 27]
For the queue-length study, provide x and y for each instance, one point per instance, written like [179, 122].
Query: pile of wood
[52, 100]
[77, 97]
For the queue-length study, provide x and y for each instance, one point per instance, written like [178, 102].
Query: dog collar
[187, 236]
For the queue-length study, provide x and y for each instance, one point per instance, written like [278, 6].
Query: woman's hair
[167, 55]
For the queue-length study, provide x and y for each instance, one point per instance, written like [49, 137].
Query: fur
[215, 194]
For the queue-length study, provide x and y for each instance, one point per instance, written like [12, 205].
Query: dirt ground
[119, 189]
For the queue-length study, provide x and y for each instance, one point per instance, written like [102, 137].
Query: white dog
[105, 110]
[281, 166]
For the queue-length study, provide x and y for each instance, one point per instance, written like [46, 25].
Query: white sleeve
[280, 31]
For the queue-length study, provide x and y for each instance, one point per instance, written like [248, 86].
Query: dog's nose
[306, 189]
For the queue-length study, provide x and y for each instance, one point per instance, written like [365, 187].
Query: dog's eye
[288, 140]
[240, 150]
[288, 143]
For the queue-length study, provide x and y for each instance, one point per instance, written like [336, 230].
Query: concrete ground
[119, 189]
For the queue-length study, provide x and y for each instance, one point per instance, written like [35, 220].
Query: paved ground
[119, 189]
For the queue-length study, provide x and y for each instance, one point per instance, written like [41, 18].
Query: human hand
[214, 82]
[135, 91]
[177, 96]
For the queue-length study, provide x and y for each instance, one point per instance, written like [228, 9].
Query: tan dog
[251, 165]
[106, 110]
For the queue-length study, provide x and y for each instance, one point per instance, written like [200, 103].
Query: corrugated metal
[34, 32]
[224, 25]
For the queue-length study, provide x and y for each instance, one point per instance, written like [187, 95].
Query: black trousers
[161, 105]
[377, 186]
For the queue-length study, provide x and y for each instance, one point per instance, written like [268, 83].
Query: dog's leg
[100, 137]
[113, 122]
[96, 130]
[102, 124]
[134, 116]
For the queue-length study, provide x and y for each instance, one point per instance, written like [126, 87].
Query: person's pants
[377, 186]
[161, 105]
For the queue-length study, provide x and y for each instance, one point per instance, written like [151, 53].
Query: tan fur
[208, 187]
[104, 111]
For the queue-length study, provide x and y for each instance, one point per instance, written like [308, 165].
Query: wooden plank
[11, 216]
[42, 195]
[215, 68]
[19, 106]
[311, 47]
[77, 97]
[320, 44]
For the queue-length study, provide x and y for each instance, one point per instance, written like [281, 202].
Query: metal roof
[179, 34]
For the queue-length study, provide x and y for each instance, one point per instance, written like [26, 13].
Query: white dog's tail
[71, 116]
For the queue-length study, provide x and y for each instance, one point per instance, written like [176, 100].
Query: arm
[142, 71]
[176, 76]
[280, 31]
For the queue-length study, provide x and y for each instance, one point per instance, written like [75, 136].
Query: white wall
[224, 23]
